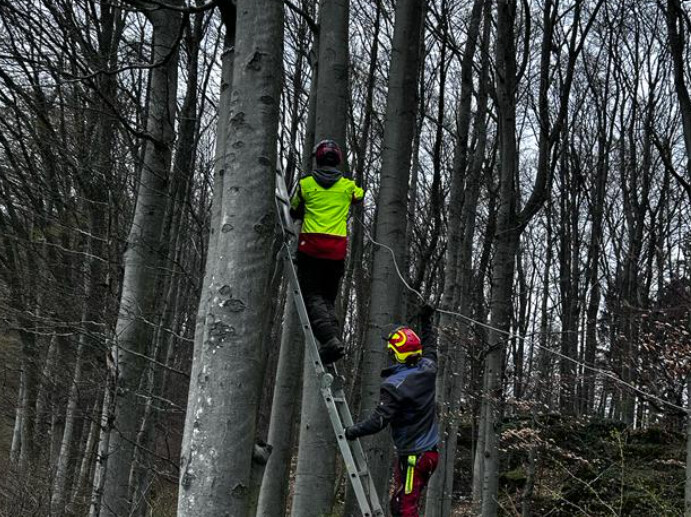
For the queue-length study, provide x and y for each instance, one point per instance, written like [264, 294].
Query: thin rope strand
[510, 335]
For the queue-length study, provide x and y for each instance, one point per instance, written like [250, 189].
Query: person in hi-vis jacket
[322, 200]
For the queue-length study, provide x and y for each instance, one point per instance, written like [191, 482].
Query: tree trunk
[18, 419]
[315, 475]
[505, 248]
[225, 390]
[45, 392]
[675, 31]
[85, 465]
[687, 487]
[106, 423]
[458, 271]
[386, 298]
[57, 500]
[28, 400]
[273, 494]
[274, 490]
[227, 60]
[142, 261]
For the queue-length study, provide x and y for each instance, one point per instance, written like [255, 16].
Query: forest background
[527, 172]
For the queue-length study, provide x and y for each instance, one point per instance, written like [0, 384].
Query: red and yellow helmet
[404, 343]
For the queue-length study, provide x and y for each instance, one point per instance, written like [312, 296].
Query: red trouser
[411, 475]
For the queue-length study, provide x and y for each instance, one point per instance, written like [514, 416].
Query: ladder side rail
[327, 395]
[359, 454]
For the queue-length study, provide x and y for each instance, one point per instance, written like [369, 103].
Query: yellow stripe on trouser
[410, 473]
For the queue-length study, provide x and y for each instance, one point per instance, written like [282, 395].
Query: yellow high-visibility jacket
[324, 228]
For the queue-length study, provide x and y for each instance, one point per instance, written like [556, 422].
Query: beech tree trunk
[142, 260]
[676, 29]
[226, 386]
[274, 489]
[315, 475]
[82, 472]
[505, 248]
[386, 299]
[227, 61]
[465, 188]
[273, 495]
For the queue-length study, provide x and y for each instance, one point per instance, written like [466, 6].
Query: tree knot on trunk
[265, 225]
[231, 304]
[239, 491]
[220, 331]
[187, 479]
[255, 61]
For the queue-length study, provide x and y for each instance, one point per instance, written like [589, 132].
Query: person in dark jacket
[322, 200]
[407, 404]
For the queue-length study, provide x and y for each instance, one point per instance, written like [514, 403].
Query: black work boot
[331, 351]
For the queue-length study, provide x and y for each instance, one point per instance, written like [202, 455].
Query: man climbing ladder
[322, 200]
[330, 385]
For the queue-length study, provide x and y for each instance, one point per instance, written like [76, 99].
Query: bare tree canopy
[526, 168]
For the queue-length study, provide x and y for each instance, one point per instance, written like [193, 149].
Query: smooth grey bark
[386, 298]
[315, 474]
[142, 260]
[260, 458]
[28, 400]
[16, 445]
[274, 489]
[57, 500]
[225, 390]
[101, 463]
[155, 379]
[86, 461]
[332, 79]
[458, 270]
[505, 247]
[44, 392]
[676, 30]
[227, 61]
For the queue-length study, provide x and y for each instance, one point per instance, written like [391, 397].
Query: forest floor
[586, 468]
[582, 467]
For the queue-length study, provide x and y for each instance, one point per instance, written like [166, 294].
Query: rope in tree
[511, 335]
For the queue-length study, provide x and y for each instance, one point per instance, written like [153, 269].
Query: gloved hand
[426, 311]
[350, 433]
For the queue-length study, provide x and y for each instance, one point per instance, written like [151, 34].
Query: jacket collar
[391, 370]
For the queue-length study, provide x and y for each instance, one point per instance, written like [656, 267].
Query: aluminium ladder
[332, 393]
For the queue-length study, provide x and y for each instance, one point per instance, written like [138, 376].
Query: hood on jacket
[326, 176]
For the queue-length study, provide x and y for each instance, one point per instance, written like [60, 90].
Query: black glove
[426, 311]
[350, 433]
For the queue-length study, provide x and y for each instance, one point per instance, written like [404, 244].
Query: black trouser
[319, 281]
